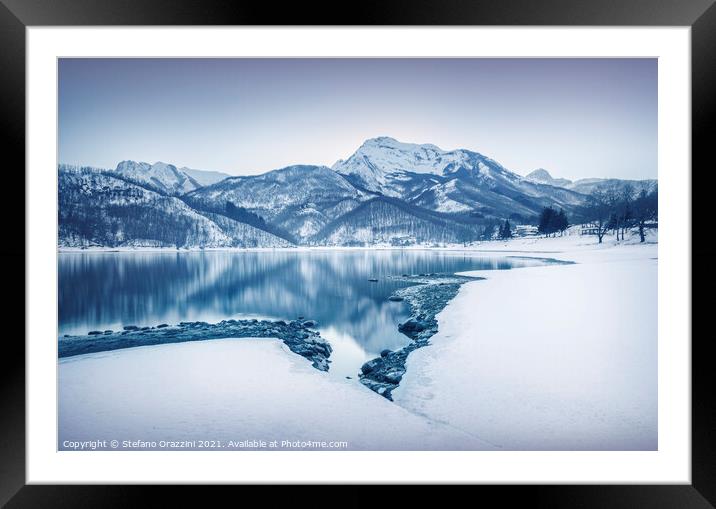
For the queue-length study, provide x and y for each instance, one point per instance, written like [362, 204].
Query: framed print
[395, 253]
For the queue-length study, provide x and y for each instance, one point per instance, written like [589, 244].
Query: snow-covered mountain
[382, 164]
[384, 220]
[204, 177]
[162, 176]
[300, 199]
[587, 185]
[387, 192]
[542, 176]
[456, 181]
[97, 208]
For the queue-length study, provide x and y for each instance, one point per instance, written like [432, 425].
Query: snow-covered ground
[233, 389]
[550, 357]
[553, 357]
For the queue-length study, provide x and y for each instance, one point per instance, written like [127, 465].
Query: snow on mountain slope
[381, 160]
[586, 186]
[542, 176]
[448, 181]
[98, 209]
[162, 176]
[204, 177]
[301, 199]
[298, 202]
[384, 220]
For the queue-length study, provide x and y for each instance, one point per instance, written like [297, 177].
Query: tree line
[621, 208]
[551, 222]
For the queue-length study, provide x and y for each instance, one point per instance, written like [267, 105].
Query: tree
[506, 230]
[625, 207]
[598, 210]
[646, 207]
[488, 231]
[546, 221]
[561, 222]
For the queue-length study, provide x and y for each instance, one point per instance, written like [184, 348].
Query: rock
[309, 323]
[394, 376]
[108, 331]
[349, 378]
[301, 317]
[296, 337]
[412, 326]
[373, 280]
[429, 294]
[371, 365]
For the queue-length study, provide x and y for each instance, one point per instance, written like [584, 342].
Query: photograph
[357, 254]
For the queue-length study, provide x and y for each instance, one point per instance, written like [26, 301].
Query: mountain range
[387, 192]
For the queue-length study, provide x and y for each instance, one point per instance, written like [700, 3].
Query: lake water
[108, 290]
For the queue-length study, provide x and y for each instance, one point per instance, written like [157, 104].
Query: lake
[109, 290]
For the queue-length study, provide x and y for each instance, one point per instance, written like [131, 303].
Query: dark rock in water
[428, 295]
[301, 317]
[396, 298]
[349, 378]
[309, 323]
[296, 335]
[413, 326]
[373, 280]
[371, 365]
[94, 332]
[108, 331]
[162, 325]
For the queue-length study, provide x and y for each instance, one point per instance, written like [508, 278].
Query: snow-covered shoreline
[535, 358]
[232, 392]
[560, 357]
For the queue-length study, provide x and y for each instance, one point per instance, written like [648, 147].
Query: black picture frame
[16, 15]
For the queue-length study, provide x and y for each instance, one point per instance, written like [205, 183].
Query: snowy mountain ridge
[587, 185]
[167, 177]
[380, 164]
[387, 192]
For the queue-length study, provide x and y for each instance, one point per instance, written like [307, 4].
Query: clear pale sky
[574, 117]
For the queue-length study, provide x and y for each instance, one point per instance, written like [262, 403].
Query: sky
[577, 118]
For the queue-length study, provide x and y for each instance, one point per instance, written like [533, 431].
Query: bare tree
[598, 210]
[646, 206]
[626, 199]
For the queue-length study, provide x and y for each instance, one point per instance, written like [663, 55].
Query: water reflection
[110, 290]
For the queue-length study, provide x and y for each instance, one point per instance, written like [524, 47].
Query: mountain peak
[542, 176]
[386, 142]
[539, 174]
[380, 139]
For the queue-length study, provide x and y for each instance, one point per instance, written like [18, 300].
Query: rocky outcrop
[429, 295]
[298, 335]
